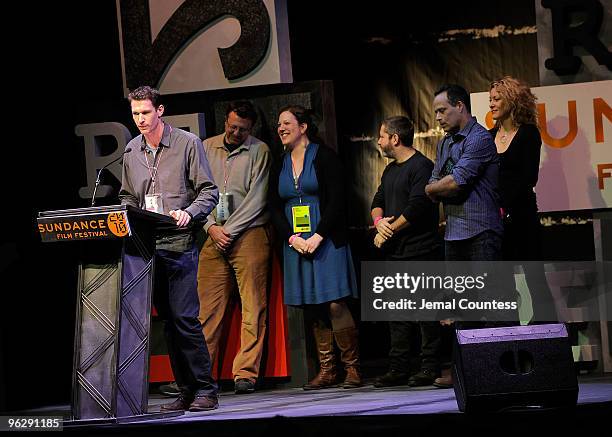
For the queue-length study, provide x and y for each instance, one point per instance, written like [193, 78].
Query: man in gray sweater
[237, 251]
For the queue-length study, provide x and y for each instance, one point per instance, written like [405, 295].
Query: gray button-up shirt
[246, 170]
[183, 176]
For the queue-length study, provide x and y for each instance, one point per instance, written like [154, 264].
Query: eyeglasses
[240, 130]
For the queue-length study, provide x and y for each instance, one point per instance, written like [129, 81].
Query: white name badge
[224, 207]
[154, 203]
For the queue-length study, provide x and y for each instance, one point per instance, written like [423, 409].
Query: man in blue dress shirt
[465, 179]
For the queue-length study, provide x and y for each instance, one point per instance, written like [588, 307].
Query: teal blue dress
[328, 274]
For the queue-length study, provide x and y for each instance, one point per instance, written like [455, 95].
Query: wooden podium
[116, 247]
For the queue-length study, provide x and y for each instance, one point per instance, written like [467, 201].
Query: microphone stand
[93, 198]
[97, 184]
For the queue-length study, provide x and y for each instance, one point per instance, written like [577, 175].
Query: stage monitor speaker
[497, 369]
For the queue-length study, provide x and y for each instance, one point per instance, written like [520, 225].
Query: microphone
[93, 198]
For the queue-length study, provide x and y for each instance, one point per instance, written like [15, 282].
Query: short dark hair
[455, 94]
[145, 93]
[243, 109]
[400, 126]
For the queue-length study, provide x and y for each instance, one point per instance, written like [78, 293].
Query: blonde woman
[518, 142]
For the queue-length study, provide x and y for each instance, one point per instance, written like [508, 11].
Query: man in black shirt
[406, 222]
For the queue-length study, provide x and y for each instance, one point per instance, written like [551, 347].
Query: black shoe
[244, 386]
[424, 377]
[181, 404]
[204, 403]
[391, 379]
[170, 390]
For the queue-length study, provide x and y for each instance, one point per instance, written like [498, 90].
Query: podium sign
[66, 225]
[116, 247]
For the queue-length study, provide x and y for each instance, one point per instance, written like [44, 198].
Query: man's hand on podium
[182, 217]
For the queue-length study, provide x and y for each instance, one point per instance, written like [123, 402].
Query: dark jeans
[403, 335]
[486, 246]
[176, 300]
[402, 348]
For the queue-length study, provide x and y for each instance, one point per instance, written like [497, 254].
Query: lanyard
[296, 178]
[227, 170]
[153, 168]
[156, 161]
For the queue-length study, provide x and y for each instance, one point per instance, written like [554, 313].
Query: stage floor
[362, 401]
[362, 411]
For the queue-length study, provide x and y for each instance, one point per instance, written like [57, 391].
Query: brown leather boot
[348, 343]
[444, 381]
[328, 374]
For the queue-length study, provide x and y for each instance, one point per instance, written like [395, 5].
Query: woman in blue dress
[307, 193]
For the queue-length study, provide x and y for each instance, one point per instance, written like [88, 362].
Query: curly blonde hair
[519, 98]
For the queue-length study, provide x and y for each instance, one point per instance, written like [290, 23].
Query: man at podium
[165, 170]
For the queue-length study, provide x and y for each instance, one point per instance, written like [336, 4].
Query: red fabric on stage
[159, 369]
